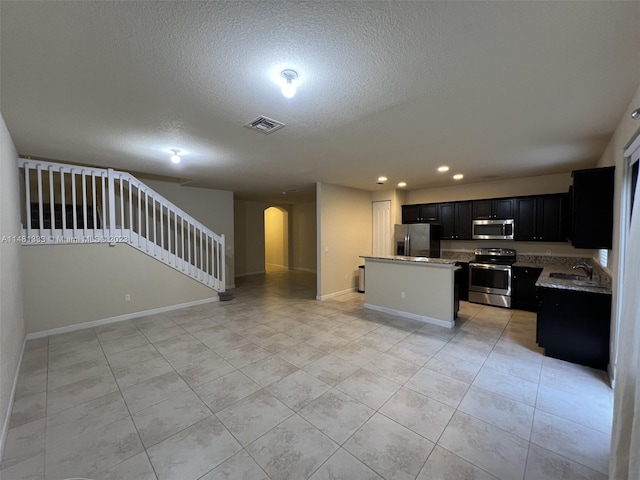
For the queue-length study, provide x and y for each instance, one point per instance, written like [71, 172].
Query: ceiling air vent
[265, 125]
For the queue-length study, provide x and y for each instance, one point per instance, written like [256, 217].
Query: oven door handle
[488, 266]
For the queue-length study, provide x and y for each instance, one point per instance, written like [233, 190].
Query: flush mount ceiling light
[381, 180]
[288, 87]
[458, 176]
[402, 184]
[443, 169]
[175, 158]
[636, 114]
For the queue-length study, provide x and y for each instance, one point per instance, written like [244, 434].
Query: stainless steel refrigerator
[417, 240]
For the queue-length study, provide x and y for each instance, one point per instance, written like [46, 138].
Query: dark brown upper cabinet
[592, 207]
[542, 218]
[423, 213]
[455, 220]
[493, 209]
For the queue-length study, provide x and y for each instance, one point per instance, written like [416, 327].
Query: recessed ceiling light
[443, 169]
[402, 184]
[381, 180]
[458, 176]
[175, 158]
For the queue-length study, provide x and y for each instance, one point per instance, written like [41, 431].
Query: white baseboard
[413, 316]
[257, 272]
[7, 417]
[302, 269]
[612, 378]
[117, 318]
[335, 294]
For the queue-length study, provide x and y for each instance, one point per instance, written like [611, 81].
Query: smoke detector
[264, 124]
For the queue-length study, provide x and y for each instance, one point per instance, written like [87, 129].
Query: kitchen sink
[567, 276]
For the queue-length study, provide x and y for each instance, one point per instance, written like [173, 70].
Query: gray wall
[12, 330]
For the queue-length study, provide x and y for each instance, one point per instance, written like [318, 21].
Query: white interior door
[382, 228]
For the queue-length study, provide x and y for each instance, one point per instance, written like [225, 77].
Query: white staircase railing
[77, 204]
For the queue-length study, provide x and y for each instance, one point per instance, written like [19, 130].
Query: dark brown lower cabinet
[574, 326]
[524, 294]
[462, 280]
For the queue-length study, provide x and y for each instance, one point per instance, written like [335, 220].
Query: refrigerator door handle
[407, 245]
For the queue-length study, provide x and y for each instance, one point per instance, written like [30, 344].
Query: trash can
[361, 279]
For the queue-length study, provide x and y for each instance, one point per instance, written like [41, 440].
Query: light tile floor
[276, 385]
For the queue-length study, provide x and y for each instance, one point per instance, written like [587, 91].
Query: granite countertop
[443, 262]
[601, 283]
[601, 280]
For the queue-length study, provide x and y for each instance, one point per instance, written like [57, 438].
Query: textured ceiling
[493, 89]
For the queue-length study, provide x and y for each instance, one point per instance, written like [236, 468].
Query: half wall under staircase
[69, 204]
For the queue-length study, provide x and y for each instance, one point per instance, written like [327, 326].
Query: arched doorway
[276, 238]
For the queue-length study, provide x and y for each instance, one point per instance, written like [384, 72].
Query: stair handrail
[120, 176]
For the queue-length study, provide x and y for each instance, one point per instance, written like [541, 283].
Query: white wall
[558, 183]
[213, 208]
[70, 284]
[249, 237]
[613, 155]
[303, 237]
[419, 289]
[276, 236]
[12, 331]
[344, 233]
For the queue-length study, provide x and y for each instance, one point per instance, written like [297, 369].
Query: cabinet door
[525, 218]
[593, 207]
[447, 216]
[574, 326]
[482, 210]
[524, 293]
[429, 212]
[550, 218]
[462, 279]
[463, 228]
[498, 208]
[410, 213]
[503, 208]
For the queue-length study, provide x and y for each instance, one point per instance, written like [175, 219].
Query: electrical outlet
[127, 298]
[548, 251]
[402, 295]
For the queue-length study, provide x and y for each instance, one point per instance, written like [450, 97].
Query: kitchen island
[420, 288]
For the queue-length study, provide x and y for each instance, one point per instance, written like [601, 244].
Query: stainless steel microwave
[493, 229]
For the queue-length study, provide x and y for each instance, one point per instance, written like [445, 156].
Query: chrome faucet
[588, 269]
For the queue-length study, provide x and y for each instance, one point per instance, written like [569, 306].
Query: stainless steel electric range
[490, 276]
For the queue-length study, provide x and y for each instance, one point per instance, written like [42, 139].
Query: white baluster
[40, 208]
[27, 191]
[52, 217]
